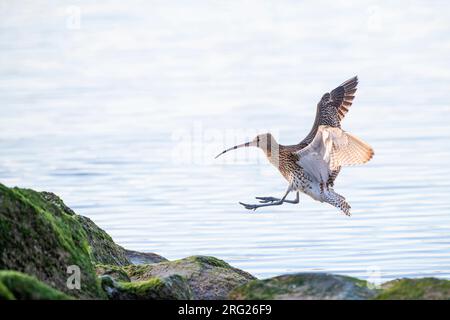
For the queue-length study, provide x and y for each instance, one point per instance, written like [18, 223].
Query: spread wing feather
[330, 149]
[332, 108]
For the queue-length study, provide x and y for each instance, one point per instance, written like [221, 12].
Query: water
[123, 113]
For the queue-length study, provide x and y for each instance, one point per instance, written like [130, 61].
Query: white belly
[307, 186]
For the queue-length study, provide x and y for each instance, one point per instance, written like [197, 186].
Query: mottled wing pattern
[331, 109]
[330, 149]
[344, 95]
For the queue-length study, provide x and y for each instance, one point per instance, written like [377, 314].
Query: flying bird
[313, 165]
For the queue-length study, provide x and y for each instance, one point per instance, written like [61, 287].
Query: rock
[53, 199]
[136, 257]
[115, 272]
[173, 287]
[18, 286]
[42, 238]
[5, 294]
[305, 286]
[103, 249]
[415, 289]
[209, 278]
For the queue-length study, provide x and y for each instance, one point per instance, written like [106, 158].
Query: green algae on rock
[305, 286]
[117, 273]
[19, 286]
[415, 289]
[103, 249]
[5, 294]
[42, 238]
[173, 287]
[209, 278]
[53, 199]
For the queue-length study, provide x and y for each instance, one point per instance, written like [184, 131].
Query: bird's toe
[248, 206]
[266, 199]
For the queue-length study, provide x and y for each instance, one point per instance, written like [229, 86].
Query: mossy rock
[103, 249]
[5, 294]
[173, 287]
[18, 286]
[209, 278]
[305, 286]
[136, 257]
[415, 289]
[115, 272]
[56, 201]
[39, 236]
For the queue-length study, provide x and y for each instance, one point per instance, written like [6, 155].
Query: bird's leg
[272, 199]
[274, 203]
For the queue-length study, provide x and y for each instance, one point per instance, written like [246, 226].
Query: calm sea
[120, 109]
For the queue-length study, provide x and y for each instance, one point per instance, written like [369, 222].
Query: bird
[312, 166]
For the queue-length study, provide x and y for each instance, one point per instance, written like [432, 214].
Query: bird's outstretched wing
[330, 149]
[332, 108]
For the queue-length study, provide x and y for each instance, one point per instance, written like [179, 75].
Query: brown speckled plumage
[312, 166]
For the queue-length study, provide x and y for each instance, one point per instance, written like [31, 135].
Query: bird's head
[264, 141]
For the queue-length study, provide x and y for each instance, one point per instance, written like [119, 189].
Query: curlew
[311, 167]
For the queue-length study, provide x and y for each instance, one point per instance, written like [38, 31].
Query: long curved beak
[247, 144]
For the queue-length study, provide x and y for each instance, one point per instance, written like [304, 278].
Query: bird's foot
[256, 206]
[267, 199]
[249, 206]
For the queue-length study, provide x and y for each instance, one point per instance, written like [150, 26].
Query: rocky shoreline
[42, 240]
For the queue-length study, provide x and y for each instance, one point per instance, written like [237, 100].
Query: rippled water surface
[123, 113]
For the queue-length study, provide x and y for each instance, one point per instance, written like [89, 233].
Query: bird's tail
[337, 201]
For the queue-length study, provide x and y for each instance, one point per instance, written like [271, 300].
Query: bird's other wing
[330, 149]
[332, 108]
